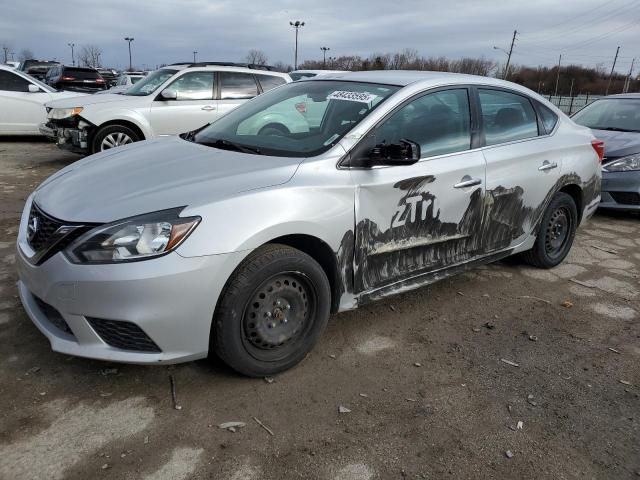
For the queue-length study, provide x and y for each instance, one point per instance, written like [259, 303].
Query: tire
[272, 311]
[274, 130]
[115, 135]
[555, 233]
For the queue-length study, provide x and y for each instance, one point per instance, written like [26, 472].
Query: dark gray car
[616, 120]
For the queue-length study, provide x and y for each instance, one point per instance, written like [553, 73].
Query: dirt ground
[422, 375]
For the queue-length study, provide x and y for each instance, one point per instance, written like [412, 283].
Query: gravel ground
[423, 375]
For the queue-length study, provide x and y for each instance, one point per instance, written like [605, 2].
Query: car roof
[318, 71]
[226, 68]
[635, 96]
[403, 78]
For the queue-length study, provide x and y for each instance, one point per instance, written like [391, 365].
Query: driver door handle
[467, 181]
[546, 165]
[208, 108]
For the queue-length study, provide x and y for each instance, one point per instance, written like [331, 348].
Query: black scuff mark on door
[416, 239]
[497, 222]
[344, 280]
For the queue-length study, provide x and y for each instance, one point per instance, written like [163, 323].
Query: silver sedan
[241, 242]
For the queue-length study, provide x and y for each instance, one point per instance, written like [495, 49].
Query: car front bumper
[621, 190]
[68, 138]
[170, 299]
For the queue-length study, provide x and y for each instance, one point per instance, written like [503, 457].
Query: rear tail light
[301, 107]
[598, 146]
[68, 79]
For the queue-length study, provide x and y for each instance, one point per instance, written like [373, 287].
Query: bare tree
[25, 54]
[282, 67]
[257, 57]
[89, 56]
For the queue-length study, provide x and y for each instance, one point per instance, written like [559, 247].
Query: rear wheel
[272, 312]
[555, 234]
[274, 130]
[113, 136]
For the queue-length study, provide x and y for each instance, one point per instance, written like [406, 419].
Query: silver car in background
[242, 242]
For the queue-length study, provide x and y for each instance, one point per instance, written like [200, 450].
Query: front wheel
[272, 312]
[113, 136]
[555, 234]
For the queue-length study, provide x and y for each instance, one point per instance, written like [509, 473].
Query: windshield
[619, 114]
[296, 120]
[151, 82]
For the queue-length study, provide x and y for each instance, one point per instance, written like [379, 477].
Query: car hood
[59, 95]
[91, 100]
[618, 144]
[155, 175]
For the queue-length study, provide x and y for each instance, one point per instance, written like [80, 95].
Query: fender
[100, 117]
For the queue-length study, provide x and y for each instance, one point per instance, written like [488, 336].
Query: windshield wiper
[615, 129]
[228, 145]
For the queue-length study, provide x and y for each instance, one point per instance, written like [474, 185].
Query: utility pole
[615, 59]
[194, 56]
[555, 94]
[6, 50]
[324, 56]
[129, 39]
[297, 25]
[506, 69]
[627, 82]
[73, 58]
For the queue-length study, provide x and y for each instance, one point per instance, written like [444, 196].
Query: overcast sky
[585, 31]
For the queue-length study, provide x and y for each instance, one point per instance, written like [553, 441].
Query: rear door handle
[546, 165]
[208, 108]
[467, 181]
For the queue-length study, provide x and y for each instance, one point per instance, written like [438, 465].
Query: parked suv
[242, 242]
[172, 100]
[37, 68]
[75, 79]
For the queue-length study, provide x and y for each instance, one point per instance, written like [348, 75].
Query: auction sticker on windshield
[364, 97]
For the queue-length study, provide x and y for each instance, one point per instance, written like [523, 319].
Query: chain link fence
[571, 105]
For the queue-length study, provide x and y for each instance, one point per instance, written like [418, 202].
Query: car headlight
[60, 113]
[624, 164]
[131, 239]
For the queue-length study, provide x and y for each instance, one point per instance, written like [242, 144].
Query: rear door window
[549, 119]
[237, 85]
[267, 82]
[507, 117]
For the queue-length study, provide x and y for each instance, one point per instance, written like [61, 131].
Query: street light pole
[297, 25]
[324, 56]
[129, 39]
[194, 56]
[73, 58]
[6, 50]
[615, 59]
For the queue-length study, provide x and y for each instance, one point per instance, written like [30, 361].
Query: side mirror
[169, 94]
[33, 88]
[404, 153]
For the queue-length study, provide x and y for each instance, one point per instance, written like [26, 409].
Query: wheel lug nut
[288, 307]
[268, 314]
[284, 320]
[272, 325]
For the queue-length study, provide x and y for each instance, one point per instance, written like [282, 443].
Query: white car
[124, 82]
[175, 99]
[22, 100]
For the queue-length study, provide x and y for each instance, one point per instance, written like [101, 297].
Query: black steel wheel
[279, 315]
[555, 234]
[272, 311]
